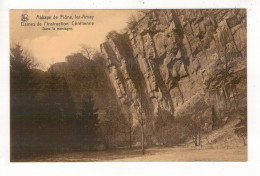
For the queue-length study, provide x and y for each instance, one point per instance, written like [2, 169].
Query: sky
[51, 46]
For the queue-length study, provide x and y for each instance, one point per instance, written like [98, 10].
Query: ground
[219, 145]
[178, 154]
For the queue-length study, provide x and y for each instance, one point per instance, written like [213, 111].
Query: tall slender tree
[89, 118]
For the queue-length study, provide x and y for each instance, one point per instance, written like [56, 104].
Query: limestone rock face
[180, 61]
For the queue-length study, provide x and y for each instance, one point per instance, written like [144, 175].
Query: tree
[116, 127]
[142, 122]
[23, 101]
[132, 22]
[20, 60]
[163, 124]
[22, 86]
[60, 108]
[59, 97]
[130, 127]
[19, 68]
[88, 51]
[199, 113]
[89, 118]
[241, 130]
[195, 129]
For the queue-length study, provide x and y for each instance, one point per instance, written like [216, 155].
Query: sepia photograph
[128, 85]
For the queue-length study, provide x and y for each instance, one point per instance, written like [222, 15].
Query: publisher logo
[24, 17]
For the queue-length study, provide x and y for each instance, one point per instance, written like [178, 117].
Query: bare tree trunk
[142, 131]
[163, 140]
[244, 140]
[130, 137]
[166, 138]
[130, 130]
[199, 139]
[195, 140]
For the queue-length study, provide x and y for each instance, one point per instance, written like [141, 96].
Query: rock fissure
[175, 58]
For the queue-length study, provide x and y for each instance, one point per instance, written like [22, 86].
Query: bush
[132, 22]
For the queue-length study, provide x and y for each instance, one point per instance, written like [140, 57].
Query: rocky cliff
[181, 62]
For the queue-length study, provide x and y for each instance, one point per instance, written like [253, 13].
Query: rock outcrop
[180, 61]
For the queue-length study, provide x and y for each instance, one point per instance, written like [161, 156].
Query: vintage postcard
[146, 85]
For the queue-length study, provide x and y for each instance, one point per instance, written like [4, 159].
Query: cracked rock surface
[178, 60]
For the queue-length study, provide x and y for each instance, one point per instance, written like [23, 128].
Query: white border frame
[185, 168]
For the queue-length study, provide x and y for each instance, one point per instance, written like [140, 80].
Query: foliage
[132, 22]
[22, 85]
[115, 129]
[89, 120]
[59, 98]
[241, 129]
[162, 126]
[20, 60]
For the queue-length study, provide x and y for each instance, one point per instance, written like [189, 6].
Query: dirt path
[189, 155]
[179, 154]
